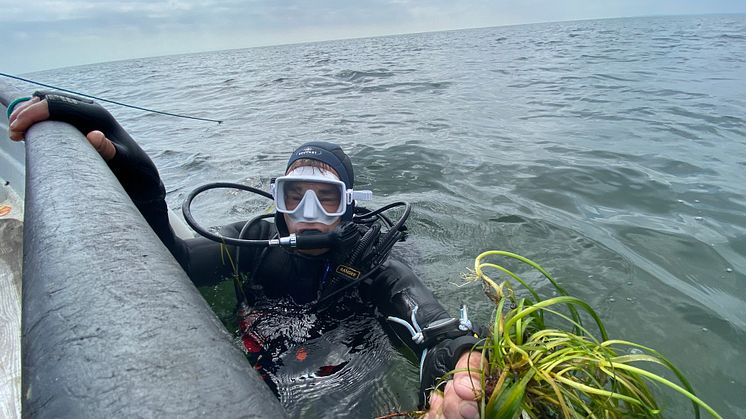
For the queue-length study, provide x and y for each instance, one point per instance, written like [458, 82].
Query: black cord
[326, 298]
[244, 230]
[385, 245]
[109, 101]
[186, 209]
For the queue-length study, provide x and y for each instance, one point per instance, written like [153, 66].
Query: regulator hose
[187, 211]
[309, 240]
[395, 232]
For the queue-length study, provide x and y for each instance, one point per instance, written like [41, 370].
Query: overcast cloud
[43, 34]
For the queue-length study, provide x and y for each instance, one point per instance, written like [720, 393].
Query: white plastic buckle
[352, 195]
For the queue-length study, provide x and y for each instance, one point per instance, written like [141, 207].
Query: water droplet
[629, 282]
[680, 201]
[728, 270]
[704, 329]
[612, 299]
[698, 218]
[636, 351]
[590, 276]
[629, 299]
[697, 201]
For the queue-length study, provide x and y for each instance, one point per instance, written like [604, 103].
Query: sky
[45, 34]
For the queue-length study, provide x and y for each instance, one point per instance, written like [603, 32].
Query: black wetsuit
[275, 273]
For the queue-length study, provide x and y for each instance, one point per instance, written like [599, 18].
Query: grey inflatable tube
[112, 326]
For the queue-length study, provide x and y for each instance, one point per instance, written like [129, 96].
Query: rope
[109, 101]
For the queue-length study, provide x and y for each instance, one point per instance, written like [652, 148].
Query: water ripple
[611, 151]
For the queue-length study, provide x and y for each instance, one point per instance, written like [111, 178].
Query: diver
[321, 250]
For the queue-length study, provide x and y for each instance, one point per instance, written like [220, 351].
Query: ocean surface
[612, 152]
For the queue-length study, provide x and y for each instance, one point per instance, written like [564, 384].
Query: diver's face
[313, 200]
[324, 202]
[298, 228]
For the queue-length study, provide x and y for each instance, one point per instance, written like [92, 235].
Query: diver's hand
[26, 114]
[36, 110]
[458, 399]
[102, 145]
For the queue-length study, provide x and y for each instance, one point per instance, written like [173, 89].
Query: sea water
[612, 152]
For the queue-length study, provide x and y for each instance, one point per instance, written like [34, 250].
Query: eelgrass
[540, 372]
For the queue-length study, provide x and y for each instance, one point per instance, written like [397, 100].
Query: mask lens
[329, 195]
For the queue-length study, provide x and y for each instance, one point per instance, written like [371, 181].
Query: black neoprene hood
[328, 153]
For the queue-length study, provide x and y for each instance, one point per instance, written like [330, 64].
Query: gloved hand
[133, 168]
[129, 163]
[36, 110]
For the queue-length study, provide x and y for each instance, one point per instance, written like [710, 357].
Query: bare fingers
[447, 405]
[25, 115]
[36, 110]
[467, 382]
[436, 405]
[103, 145]
[460, 393]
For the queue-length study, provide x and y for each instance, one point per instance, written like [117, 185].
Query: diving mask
[313, 195]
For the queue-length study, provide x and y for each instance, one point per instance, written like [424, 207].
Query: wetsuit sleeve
[205, 261]
[132, 167]
[396, 291]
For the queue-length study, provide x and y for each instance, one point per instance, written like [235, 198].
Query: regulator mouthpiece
[307, 240]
